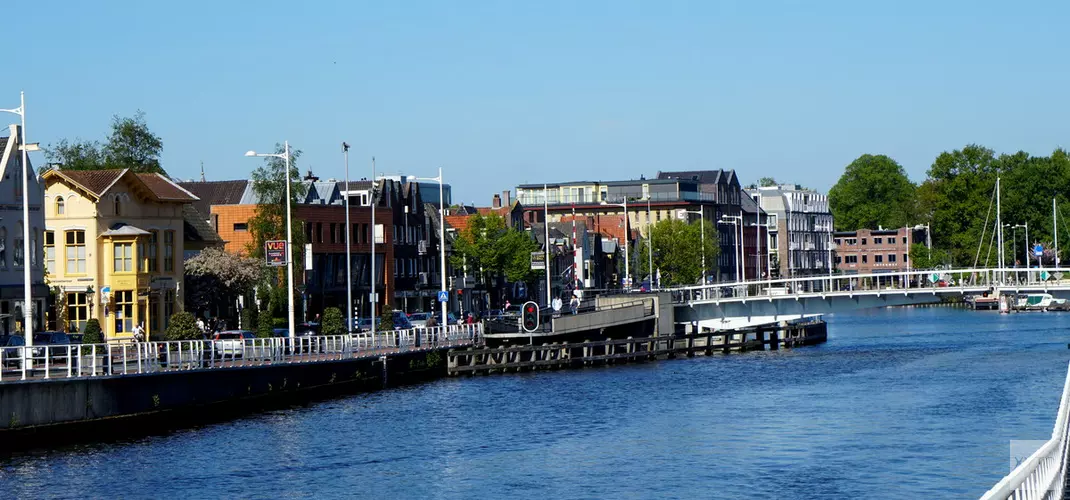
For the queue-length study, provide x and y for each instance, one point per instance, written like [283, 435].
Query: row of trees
[957, 200]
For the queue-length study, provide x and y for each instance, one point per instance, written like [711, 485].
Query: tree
[248, 319]
[269, 220]
[386, 318]
[959, 196]
[215, 274]
[332, 323]
[265, 324]
[487, 246]
[183, 327]
[131, 145]
[93, 333]
[873, 192]
[767, 182]
[678, 248]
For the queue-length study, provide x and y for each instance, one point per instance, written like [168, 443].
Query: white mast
[999, 229]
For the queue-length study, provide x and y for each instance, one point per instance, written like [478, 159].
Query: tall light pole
[627, 271]
[1055, 230]
[349, 264]
[546, 235]
[374, 263]
[441, 237]
[289, 236]
[649, 243]
[27, 306]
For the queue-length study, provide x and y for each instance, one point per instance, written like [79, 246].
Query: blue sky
[501, 92]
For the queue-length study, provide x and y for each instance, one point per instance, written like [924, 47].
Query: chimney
[507, 198]
[496, 203]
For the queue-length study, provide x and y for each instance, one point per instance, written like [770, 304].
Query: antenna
[202, 170]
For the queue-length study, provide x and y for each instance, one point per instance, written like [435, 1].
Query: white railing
[95, 360]
[1043, 474]
[951, 280]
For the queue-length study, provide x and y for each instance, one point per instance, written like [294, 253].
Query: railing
[96, 360]
[1043, 474]
[959, 280]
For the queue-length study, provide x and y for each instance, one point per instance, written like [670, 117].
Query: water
[900, 403]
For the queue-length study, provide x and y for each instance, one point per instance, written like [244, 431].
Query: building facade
[114, 246]
[800, 229]
[873, 251]
[12, 249]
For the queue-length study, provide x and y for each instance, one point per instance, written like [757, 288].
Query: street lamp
[349, 260]
[1014, 240]
[627, 273]
[27, 307]
[441, 236]
[649, 243]
[702, 232]
[285, 155]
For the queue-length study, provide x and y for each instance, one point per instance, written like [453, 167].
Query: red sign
[275, 252]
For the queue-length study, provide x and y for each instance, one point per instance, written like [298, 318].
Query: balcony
[535, 198]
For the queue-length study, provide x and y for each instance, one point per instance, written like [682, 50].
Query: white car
[231, 342]
[419, 319]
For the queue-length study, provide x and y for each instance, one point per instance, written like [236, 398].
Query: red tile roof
[95, 181]
[98, 181]
[164, 189]
[458, 222]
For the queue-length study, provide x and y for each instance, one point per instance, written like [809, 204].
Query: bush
[332, 323]
[93, 333]
[248, 319]
[265, 325]
[183, 326]
[386, 319]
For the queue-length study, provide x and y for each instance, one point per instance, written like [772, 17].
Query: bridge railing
[91, 360]
[962, 279]
[1043, 474]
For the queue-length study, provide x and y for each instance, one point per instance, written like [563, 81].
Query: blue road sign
[443, 296]
[1038, 250]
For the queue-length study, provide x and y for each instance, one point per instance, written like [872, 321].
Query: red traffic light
[531, 309]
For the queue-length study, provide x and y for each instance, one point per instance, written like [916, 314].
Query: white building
[12, 258]
[800, 228]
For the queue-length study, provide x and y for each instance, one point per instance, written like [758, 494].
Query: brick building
[872, 251]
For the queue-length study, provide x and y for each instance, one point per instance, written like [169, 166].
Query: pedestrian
[574, 304]
[201, 326]
[470, 320]
[139, 332]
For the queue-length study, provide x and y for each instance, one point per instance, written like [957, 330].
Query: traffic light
[530, 316]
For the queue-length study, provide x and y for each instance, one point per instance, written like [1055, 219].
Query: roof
[124, 229]
[196, 226]
[458, 222]
[98, 182]
[215, 193]
[3, 143]
[165, 189]
[719, 176]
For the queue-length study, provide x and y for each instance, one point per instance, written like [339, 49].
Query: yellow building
[114, 246]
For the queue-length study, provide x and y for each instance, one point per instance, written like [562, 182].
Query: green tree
[131, 145]
[265, 324]
[269, 219]
[767, 182]
[332, 323]
[873, 191]
[678, 249]
[183, 327]
[959, 196]
[93, 333]
[215, 275]
[386, 318]
[248, 319]
[487, 246]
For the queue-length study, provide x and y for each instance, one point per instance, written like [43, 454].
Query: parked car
[10, 354]
[419, 319]
[76, 338]
[307, 329]
[230, 342]
[401, 321]
[365, 324]
[53, 343]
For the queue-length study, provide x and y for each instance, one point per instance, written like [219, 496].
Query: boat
[1040, 302]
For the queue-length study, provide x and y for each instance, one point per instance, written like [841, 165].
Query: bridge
[742, 304]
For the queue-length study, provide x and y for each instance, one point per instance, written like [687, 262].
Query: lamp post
[1014, 239]
[627, 271]
[649, 244]
[441, 237]
[285, 155]
[27, 306]
[349, 260]
[702, 234]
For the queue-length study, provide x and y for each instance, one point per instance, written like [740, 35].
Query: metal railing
[951, 280]
[96, 360]
[1043, 474]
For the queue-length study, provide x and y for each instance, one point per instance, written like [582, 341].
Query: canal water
[900, 403]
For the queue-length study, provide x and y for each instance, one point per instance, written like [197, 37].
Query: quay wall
[35, 412]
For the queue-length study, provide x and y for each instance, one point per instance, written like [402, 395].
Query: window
[124, 311]
[851, 259]
[154, 313]
[241, 226]
[118, 206]
[308, 232]
[319, 233]
[334, 235]
[891, 257]
[878, 259]
[837, 240]
[77, 311]
[839, 259]
[878, 241]
[863, 241]
[60, 208]
[123, 254]
[169, 251]
[864, 258]
[904, 242]
[168, 306]
[75, 252]
[354, 237]
[905, 258]
[50, 252]
[3, 248]
[153, 252]
[33, 248]
[18, 247]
